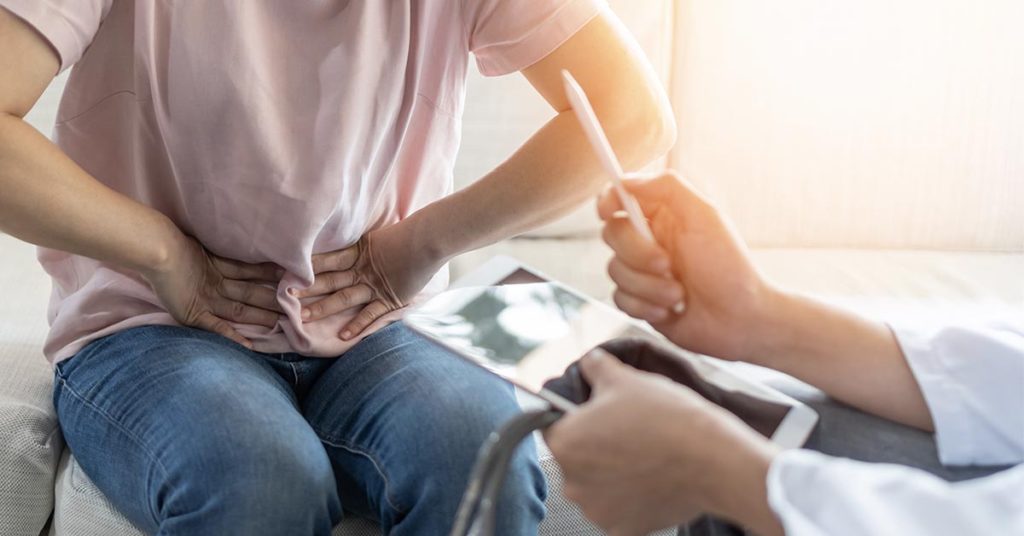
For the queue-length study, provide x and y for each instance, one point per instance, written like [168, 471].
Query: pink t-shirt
[270, 130]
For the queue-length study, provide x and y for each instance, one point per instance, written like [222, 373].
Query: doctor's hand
[698, 257]
[379, 274]
[646, 453]
[201, 290]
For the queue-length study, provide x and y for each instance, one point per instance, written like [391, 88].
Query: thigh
[403, 420]
[157, 415]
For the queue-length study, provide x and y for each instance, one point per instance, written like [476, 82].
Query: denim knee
[265, 487]
[452, 445]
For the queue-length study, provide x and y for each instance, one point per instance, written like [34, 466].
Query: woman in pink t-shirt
[241, 198]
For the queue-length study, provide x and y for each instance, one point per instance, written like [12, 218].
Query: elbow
[643, 133]
[661, 133]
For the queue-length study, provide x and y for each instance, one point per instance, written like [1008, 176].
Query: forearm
[50, 201]
[853, 359]
[551, 174]
[740, 493]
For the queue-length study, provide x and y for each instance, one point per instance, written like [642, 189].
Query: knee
[275, 473]
[525, 486]
[523, 494]
[264, 487]
[457, 430]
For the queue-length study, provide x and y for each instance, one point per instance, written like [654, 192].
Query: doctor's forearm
[852, 358]
[551, 174]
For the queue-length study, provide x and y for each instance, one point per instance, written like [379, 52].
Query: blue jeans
[189, 433]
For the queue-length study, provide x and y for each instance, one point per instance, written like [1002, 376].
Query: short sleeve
[510, 35]
[69, 25]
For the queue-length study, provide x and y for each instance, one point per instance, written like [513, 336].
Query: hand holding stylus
[603, 149]
[695, 249]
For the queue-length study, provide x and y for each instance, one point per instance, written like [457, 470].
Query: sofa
[872, 154]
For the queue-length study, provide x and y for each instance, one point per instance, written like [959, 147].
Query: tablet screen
[529, 331]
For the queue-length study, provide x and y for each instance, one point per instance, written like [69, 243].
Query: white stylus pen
[599, 141]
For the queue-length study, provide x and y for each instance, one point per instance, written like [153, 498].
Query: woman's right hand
[202, 290]
[698, 258]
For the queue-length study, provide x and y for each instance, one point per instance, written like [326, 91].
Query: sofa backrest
[864, 124]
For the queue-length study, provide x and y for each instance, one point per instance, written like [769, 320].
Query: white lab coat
[973, 382]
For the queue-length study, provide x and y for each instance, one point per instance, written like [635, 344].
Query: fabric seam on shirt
[93, 106]
[466, 30]
[437, 107]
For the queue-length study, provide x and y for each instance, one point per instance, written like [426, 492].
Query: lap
[399, 374]
[398, 412]
[159, 406]
[394, 423]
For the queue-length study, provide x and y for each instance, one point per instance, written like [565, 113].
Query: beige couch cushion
[31, 442]
[30, 438]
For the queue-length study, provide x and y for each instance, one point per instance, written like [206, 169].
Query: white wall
[863, 123]
[44, 113]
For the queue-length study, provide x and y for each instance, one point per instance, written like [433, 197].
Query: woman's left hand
[381, 273]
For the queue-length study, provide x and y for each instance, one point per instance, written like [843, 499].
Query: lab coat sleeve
[813, 494]
[973, 382]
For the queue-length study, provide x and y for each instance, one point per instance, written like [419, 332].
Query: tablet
[517, 323]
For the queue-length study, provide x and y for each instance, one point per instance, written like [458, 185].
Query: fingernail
[658, 315]
[306, 314]
[595, 355]
[660, 265]
[346, 334]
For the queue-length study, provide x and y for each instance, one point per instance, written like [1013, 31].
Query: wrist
[431, 244]
[740, 487]
[775, 328]
[164, 248]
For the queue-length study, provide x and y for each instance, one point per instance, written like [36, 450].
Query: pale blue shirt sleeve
[973, 382]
